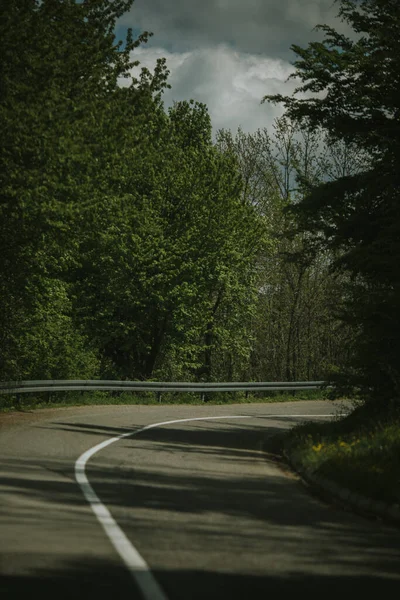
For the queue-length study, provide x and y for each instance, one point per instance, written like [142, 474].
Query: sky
[228, 53]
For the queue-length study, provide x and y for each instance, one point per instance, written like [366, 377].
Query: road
[196, 507]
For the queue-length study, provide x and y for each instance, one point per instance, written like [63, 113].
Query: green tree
[294, 330]
[353, 94]
[167, 270]
[59, 71]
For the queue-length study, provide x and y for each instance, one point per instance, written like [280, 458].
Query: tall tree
[59, 71]
[353, 92]
[294, 331]
[168, 272]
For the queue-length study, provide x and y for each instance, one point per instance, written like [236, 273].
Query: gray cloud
[229, 53]
[230, 83]
[250, 26]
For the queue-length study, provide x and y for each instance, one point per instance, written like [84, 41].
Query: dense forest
[134, 246]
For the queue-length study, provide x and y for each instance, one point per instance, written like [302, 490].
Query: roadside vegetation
[61, 399]
[360, 452]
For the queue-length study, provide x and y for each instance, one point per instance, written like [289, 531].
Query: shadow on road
[198, 585]
[101, 581]
[193, 491]
[83, 580]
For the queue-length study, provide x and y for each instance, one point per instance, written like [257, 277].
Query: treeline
[132, 246]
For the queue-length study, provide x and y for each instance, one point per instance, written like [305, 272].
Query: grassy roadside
[59, 399]
[360, 452]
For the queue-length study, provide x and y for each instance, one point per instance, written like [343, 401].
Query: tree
[168, 270]
[125, 248]
[352, 89]
[59, 71]
[294, 331]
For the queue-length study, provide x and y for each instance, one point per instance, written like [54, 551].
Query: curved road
[96, 504]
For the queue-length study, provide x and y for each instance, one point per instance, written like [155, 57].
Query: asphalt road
[185, 510]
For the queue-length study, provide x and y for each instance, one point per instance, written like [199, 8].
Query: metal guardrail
[22, 387]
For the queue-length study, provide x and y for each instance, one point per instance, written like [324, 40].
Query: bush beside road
[355, 459]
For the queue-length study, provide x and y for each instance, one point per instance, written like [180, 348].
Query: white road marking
[134, 562]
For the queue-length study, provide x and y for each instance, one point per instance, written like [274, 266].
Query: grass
[360, 452]
[59, 399]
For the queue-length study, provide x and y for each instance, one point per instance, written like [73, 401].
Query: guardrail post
[158, 397]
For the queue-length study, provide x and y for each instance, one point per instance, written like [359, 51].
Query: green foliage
[44, 343]
[166, 259]
[126, 250]
[294, 330]
[357, 215]
[64, 399]
[134, 247]
[359, 452]
[59, 67]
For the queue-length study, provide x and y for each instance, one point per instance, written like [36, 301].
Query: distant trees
[354, 95]
[295, 330]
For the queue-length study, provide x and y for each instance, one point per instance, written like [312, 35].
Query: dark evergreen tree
[353, 92]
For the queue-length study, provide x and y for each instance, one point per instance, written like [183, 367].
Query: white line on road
[134, 562]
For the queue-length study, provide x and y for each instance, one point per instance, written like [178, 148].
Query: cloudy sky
[228, 53]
